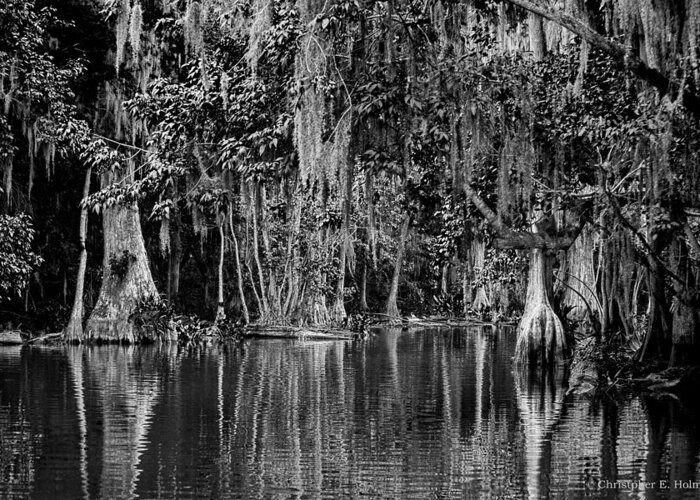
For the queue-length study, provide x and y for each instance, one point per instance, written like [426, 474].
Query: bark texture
[481, 299]
[392, 308]
[580, 278]
[220, 310]
[110, 320]
[74, 330]
[538, 43]
[541, 338]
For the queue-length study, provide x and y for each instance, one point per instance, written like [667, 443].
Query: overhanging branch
[507, 238]
[691, 101]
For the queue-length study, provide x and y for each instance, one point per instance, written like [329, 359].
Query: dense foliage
[17, 259]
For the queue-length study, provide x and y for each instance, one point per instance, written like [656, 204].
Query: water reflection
[438, 413]
[540, 396]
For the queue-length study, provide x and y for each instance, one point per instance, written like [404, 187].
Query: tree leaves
[17, 259]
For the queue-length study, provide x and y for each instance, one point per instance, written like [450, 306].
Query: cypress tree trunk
[110, 319]
[580, 278]
[74, 330]
[392, 308]
[541, 337]
[655, 340]
[684, 350]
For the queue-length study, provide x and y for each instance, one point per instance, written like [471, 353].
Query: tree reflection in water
[437, 413]
[540, 395]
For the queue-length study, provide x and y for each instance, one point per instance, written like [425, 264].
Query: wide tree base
[74, 331]
[541, 339]
[112, 326]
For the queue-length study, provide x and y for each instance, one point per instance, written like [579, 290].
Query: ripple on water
[425, 414]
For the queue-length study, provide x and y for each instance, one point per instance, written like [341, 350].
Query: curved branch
[508, 238]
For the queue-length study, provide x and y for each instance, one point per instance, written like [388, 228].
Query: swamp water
[424, 414]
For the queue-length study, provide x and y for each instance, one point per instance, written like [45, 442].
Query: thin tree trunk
[256, 255]
[220, 311]
[444, 287]
[363, 286]
[481, 299]
[339, 313]
[392, 308]
[371, 222]
[239, 271]
[538, 43]
[272, 288]
[74, 330]
[466, 289]
[175, 258]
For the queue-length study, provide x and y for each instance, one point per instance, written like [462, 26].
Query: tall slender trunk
[363, 286]
[292, 278]
[371, 219]
[120, 293]
[538, 43]
[444, 286]
[481, 299]
[74, 330]
[256, 255]
[273, 290]
[684, 349]
[339, 313]
[220, 311]
[239, 271]
[392, 308]
[466, 289]
[175, 257]
[316, 309]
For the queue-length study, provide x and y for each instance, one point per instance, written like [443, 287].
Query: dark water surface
[427, 414]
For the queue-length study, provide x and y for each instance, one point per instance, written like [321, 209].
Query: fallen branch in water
[436, 321]
[44, 338]
[298, 332]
